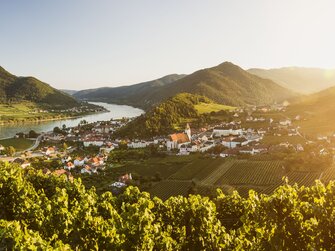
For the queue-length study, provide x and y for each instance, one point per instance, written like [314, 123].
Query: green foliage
[9, 150]
[164, 118]
[40, 212]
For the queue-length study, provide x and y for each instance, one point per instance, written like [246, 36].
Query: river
[115, 112]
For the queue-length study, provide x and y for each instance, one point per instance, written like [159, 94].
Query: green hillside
[225, 84]
[299, 79]
[170, 116]
[15, 89]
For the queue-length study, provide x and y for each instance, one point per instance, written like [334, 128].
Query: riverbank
[113, 111]
[37, 120]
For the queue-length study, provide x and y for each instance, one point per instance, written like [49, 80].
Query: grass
[22, 111]
[212, 107]
[18, 144]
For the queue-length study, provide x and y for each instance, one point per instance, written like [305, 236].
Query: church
[176, 140]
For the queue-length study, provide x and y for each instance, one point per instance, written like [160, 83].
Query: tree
[32, 134]
[57, 130]
[10, 150]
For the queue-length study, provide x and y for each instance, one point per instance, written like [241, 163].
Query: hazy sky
[78, 44]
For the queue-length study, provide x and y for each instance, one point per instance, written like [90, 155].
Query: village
[85, 149]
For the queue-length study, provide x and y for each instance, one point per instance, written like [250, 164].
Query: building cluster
[89, 165]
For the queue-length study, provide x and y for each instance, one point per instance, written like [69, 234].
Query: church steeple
[188, 131]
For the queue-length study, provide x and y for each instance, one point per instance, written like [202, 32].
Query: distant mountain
[70, 92]
[135, 95]
[225, 84]
[16, 89]
[299, 79]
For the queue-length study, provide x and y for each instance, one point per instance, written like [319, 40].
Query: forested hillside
[225, 84]
[18, 89]
[44, 212]
[164, 118]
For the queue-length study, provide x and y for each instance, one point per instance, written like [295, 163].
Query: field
[18, 144]
[17, 111]
[211, 107]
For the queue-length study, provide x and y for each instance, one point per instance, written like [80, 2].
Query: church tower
[188, 131]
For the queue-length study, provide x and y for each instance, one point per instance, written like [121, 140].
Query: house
[88, 169]
[139, 144]
[206, 146]
[79, 162]
[107, 148]
[93, 142]
[226, 130]
[103, 129]
[50, 150]
[125, 178]
[69, 166]
[285, 122]
[300, 148]
[235, 142]
[66, 159]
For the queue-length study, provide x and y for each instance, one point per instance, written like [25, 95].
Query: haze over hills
[17, 89]
[299, 79]
[317, 111]
[136, 95]
[225, 84]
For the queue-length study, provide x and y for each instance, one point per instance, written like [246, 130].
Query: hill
[18, 89]
[317, 112]
[135, 95]
[169, 116]
[225, 84]
[299, 79]
[70, 92]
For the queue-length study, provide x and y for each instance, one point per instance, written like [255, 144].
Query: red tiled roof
[179, 137]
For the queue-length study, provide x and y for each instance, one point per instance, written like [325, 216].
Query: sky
[82, 44]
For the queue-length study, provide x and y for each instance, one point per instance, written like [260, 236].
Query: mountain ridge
[225, 83]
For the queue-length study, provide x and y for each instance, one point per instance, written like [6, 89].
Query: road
[36, 144]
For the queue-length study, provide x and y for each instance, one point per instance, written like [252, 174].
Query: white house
[225, 131]
[139, 144]
[79, 162]
[285, 122]
[93, 142]
[236, 142]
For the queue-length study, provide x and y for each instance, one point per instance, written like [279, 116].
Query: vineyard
[303, 178]
[167, 188]
[262, 173]
[206, 174]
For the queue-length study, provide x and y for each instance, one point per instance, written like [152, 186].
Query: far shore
[3, 123]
